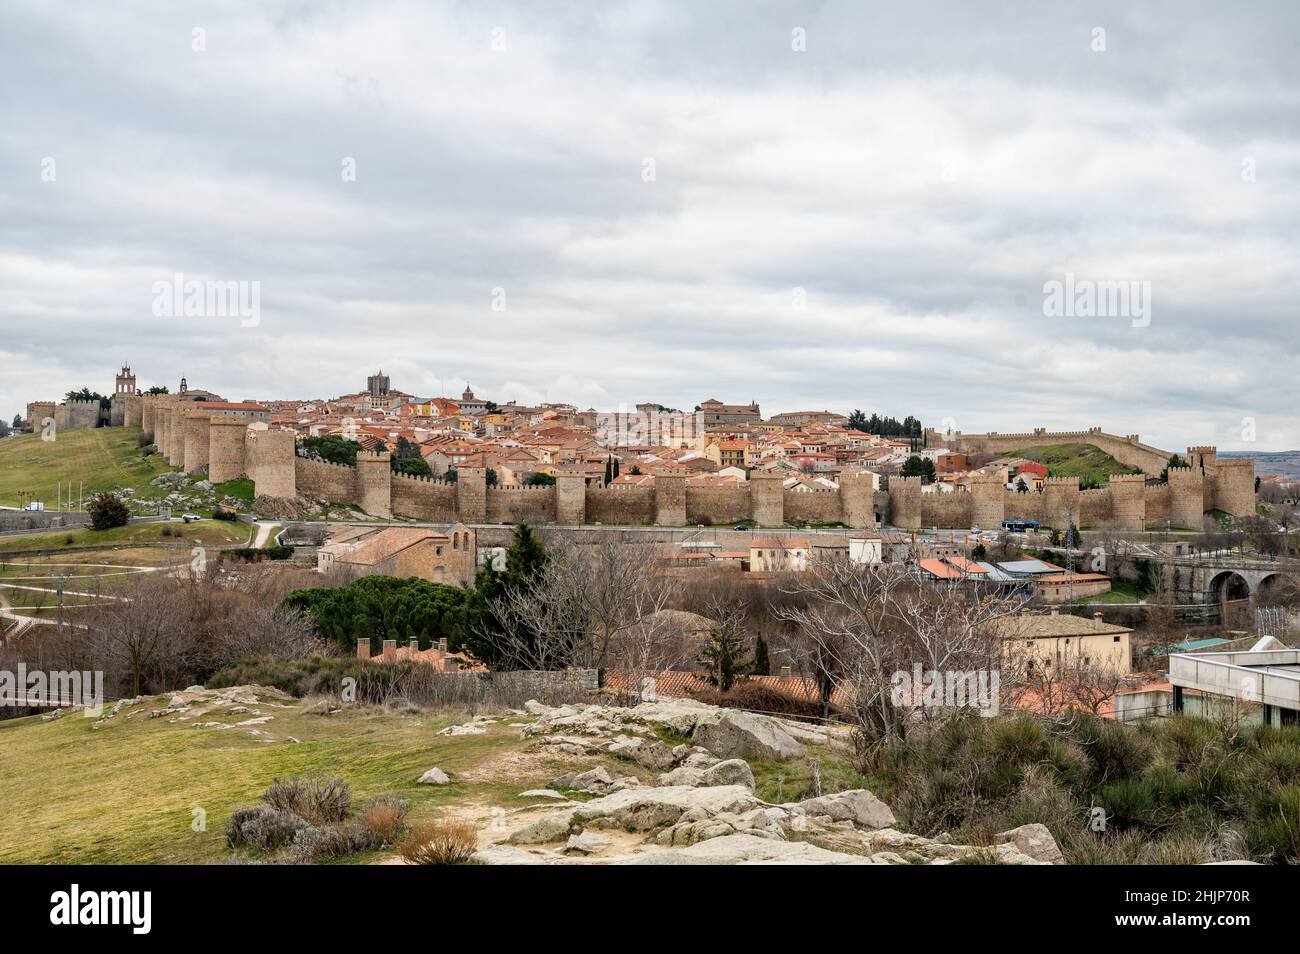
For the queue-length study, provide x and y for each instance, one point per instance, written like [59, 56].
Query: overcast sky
[670, 200]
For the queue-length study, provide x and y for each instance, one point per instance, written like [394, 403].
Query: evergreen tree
[609, 471]
[761, 665]
[857, 421]
[723, 658]
[525, 560]
[107, 510]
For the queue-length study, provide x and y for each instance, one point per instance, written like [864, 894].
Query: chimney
[414, 645]
[363, 648]
[390, 650]
[785, 672]
[1097, 617]
[1055, 611]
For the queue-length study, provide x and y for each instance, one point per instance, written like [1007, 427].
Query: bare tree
[863, 624]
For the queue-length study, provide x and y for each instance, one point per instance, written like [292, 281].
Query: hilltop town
[474, 460]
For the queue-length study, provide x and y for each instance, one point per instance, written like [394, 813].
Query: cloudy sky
[814, 205]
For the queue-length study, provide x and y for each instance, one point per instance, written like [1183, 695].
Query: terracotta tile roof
[387, 543]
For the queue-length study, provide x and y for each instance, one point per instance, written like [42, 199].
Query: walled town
[693, 633]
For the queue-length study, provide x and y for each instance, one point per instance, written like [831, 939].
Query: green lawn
[127, 790]
[201, 532]
[95, 460]
[1091, 464]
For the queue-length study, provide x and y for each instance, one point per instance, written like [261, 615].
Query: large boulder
[638, 809]
[1035, 841]
[732, 734]
[856, 805]
[730, 772]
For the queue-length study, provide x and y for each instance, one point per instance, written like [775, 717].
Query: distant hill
[1281, 463]
[1092, 465]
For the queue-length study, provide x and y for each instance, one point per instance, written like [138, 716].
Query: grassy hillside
[1092, 465]
[201, 532]
[126, 790]
[105, 458]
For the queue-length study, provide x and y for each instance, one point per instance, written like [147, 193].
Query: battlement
[1126, 479]
[316, 460]
[422, 478]
[1203, 449]
[1061, 482]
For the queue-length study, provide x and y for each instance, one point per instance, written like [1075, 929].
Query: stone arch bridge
[1223, 579]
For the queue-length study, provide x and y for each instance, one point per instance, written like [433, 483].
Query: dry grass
[385, 818]
[442, 842]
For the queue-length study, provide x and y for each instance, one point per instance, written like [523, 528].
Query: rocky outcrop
[858, 806]
[732, 734]
[1035, 841]
[704, 809]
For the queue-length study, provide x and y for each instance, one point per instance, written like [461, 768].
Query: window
[1116, 639]
[437, 551]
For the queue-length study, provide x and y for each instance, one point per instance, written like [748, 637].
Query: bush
[317, 843]
[263, 827]
[224, 513]
[385, 818]
[317, 798]
[445, 842]
[107, 510]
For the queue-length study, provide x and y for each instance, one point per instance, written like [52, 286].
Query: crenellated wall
[712, 506]
[1128, 449]
[271, 460]
[197, 426]
[518, 503]
[1128, 502]
[225, 449]
[424, 498]
[620, 504]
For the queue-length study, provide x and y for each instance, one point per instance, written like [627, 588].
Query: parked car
[190, 517]
[741, 527]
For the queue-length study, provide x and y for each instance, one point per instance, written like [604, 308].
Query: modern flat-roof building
[1261, 684]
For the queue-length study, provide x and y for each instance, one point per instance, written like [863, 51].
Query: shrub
[224, 513]
[1274, 831]
[319, 799]
[385, 818]
[107, 510]
[316, 843]
[445, 842]
[263, 826]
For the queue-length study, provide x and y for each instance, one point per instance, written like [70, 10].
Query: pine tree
[761, 665]
[609, 471]
[723, 658]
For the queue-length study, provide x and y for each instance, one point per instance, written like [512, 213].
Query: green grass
[794, 780]
[127, 791]
[95, 460]
[1092, 465]
[202, 532]
[241, 488]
